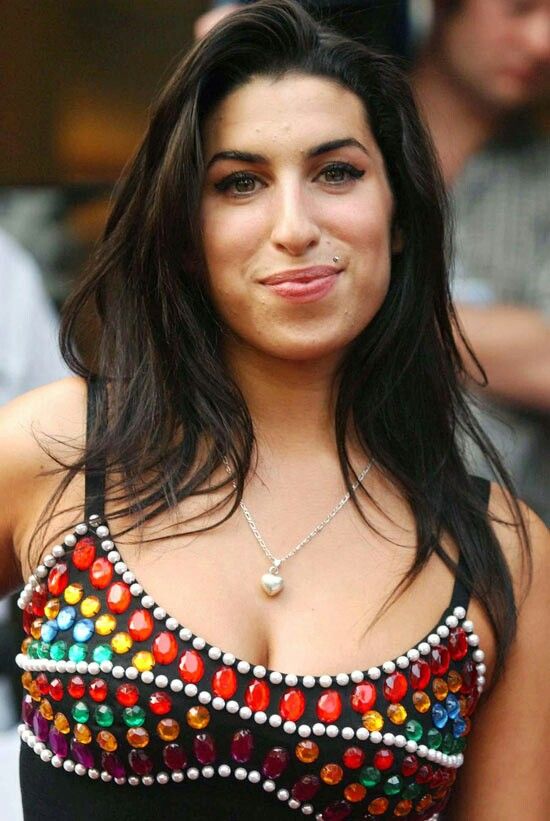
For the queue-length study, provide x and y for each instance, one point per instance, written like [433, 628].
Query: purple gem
[112, 764]
[306, 788]
[82, 754]
[174, 757]
[337, 811]
[275, 762]
[242, 745]
[140, 762]
[204, 748]
[40, 726]
[58, 743]
[27, 710]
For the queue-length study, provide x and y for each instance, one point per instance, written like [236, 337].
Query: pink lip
[305, 284]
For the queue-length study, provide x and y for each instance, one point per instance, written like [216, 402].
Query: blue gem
[66, 618]
[439, 716]
[452, 706]
[48, 631]
[83, 630]
[459, 726]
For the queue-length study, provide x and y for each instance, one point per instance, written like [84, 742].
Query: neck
[458, 120]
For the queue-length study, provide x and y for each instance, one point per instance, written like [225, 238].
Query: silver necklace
[272, 582]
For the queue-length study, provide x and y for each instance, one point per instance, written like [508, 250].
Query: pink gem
[275, 762]
[242, 745]
[204, 748]
[306, 788]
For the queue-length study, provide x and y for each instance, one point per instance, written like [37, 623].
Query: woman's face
[280, 195]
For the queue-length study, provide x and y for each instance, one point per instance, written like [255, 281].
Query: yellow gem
[331, 774]
[35, 691]
[82, 733]
[168, 729]
[397, 714]
[61, 723]
[90, 606]
[36, 627]
[137, 737]
[105, 624]
[307, 751]
[121, 642]
[107, 741]
[25, 644]
[454, 680]
[198, 717]
[143, 660]
[73, 593]
[372, 720]
[51, 608]
[26, 680]
[46, 709]
[421, 701]
[439, 686]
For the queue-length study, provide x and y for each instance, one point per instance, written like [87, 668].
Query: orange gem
[140, 625]
[454, 681]
[224, 682]
[378, 806]
[198, 717]
[329, 706]
[137, 737]
[34, 691]
[168, 729]
[165, 648]
[82, 733]
[372, 720]
[397, 713]
[439, 686]
[403, 808]
[118, 597]
[421, 701]
[425, 802]
[61, 723]
[355, 792]
[46, 709]
[26, 679]
[101, 573]
[307, 752]
[332, 774]
[107, 741]
[36, 628]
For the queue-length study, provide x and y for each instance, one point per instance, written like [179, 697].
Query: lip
[305, 284]
[301, 274]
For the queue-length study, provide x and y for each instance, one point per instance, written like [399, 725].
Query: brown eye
[240, 182]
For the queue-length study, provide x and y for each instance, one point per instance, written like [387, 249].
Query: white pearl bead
[215, 653]
[275, 720]
[228, 658]
[388, 739]
[105, 666]
[177, 776]
[388, 667]
[49, 560]
[232, 707]
[289, 727]
[191, 690]
[473, 640]
[342, 679]
[424, 648]
[163, 778]
[259, 671]
[451, 621]
[81, 667]
[185, 633]
[243, 667]
[268, 785]
[41, 571]
[411, 746]
[173, 624]
[481, 669]
[159, 613]
[93, 774]
[307, 809]
[218, 703]
[240, 773]
[468, 626]
[147, 677]
[46, 755]
[283, 794]
[308, 681]
[113, 556]
[293, 804]
[260, 717]
[176, 685]
[443, 631]
[81, 529]
[348, 733]
[193, 773]
[102, 532]
[422, 750]
[362, 733]
[332, 731]
[56, 761]
[434, 639]
[70, 540]
[374, 673]
[224, 770]
[106, 777]
[245, 713]
[80, 769]
[107, 545]
[413, 654]
[128, 577]
[199, 643]
[120, 568]
[400, 741]
[68, 765]
[147, 601]
[357, 676]
[402, 662]
[318, 729]
[304, 731]
[254, 777]
[120, 780]
[480, 682]
[118, 671]
[325, 681]
[478, 655]
[459, 612]
[376, 737]
[93, 668]
[205, 697]
[291, 680]
[58, 551]
[208, 771]
[431, 755]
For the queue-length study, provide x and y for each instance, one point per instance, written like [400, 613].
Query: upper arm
[505, 772]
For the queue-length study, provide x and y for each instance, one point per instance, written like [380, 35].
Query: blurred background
[78, 79]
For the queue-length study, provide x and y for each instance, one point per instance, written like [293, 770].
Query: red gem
[118, 597]
[469, 676]
[470, 701]
[441, 658]
[28, 618]
[242, 746]
[165, 648]
[43, 683]
[339, 810]
[257, 695]
[84, 553]
[76, 687]
[101, 573]
[395, 687]
[458, 643]
[204, 748]
[292, 705]
[191, 666]
[424, 774]
[56, 689]
[363, 697]
[160, 703]
[58, 578]
[329, 706]
[383, 759]
[275, 762]
[353, 758]
[306, 788]
[224, 682]
[97, 688]
[127, 694]
[140, 625]
[439, 779]
[39, 599]
[140, 762]
[409, 765]
[174, 757]
[419, 674]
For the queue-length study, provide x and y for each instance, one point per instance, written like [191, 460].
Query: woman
[275, 328]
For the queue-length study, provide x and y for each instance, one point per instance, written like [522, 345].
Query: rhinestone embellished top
[119, 691]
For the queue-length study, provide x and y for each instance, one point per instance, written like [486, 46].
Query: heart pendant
[272, 583]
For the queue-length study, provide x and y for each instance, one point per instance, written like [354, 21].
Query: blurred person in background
[483, 67]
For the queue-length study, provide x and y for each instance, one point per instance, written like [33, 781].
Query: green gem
[447, 744]
[393, 785]
[103, 715]
[459, 745]
[102, 653]
[78, 652]
[412, 791]
[369, 776]
[80, 712]
[43, 650]
[434, 738]
[133, 716]
[32, 650]
[58, 650]
[413, 730]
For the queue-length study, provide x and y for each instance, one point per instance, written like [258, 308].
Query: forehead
[289, 113]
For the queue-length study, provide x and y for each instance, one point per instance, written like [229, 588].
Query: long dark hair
[173, 409]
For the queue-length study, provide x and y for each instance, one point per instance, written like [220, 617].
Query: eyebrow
[316, 151]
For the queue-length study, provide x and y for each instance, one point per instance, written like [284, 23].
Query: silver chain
[276, 563]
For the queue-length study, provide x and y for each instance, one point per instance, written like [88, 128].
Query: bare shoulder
[36, 429]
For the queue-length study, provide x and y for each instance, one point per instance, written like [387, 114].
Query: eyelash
[238, 176]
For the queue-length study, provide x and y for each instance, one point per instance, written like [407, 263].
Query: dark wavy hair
[173, 409]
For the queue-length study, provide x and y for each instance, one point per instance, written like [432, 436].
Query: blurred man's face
[500, 49]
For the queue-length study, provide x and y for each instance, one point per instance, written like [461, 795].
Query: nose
[294, 227]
